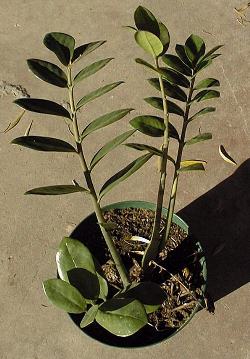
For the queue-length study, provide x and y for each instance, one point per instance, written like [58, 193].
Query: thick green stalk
[174, 188]
[87, 175]
[152, 249]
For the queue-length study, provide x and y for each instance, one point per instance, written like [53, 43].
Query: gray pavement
[32, 227]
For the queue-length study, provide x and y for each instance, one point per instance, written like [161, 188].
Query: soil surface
[177, 268]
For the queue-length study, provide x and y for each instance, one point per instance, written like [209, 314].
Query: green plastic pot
[146, 336]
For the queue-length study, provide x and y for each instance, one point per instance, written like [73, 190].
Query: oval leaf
[89, 316]
[175, 63]
[149, 125]
[86, 282]
[211, 52]
[73, 254]
[210, 82]
[145, 20]
[202, 112]
[62, 45]
[157, 103]
[199, 138]
[192, 165]
[202, 65]
[174, 77]
[195, 48]
[86, 49]
[48, 72]
[153, 126]
[149, 42]
[226, 157]
[170, 90]
[122, 317]
[109, 147]
[124, 174]
[206, 95]
[148, 293]
[56, 190]
[91, 70]
[141, 147]
[46, 144]
[97, 93]
[64, 296]
[181, 52]
[164, 37]
[105, 120]
[42, 106]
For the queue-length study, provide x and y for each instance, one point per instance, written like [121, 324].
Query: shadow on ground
[220, 219]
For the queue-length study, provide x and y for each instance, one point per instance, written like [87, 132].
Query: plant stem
[174, 188]
[87, 175]
[152, 248]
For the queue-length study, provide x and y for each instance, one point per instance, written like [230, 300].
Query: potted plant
[129, 275]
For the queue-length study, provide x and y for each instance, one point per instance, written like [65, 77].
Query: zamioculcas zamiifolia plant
[178, 78]
[82, 286]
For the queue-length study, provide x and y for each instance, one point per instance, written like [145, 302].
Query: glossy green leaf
[42, 106]
[85, 49]
[91, 70]
[97, 93]
[86, 282]
[175, 63]
[124, 174]
[211, 52]
[149, 125]
[109, 147]
[164, 37]
[48, 72]
[225, 155]
[192, 165]
[64, 296]
[46, 144]
[158, 103]
[206, 95]
[202, 112]
[56, 190]
[202, 65]
[152, 126]
[195, 48]
[199, 138]
[148, 293]
[62, 45]
[149, 42]
[171, 90]
[181, 52]
[210, 82]
[174, 77]
[145, 63]
[89, 316]
[105, 120]
[73, 254]
[122, 317]
[146, 21]
[142, 147]
[13, 124]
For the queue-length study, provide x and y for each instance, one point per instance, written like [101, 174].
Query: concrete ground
[215, 203]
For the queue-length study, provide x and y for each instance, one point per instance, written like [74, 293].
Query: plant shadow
[220, 220]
